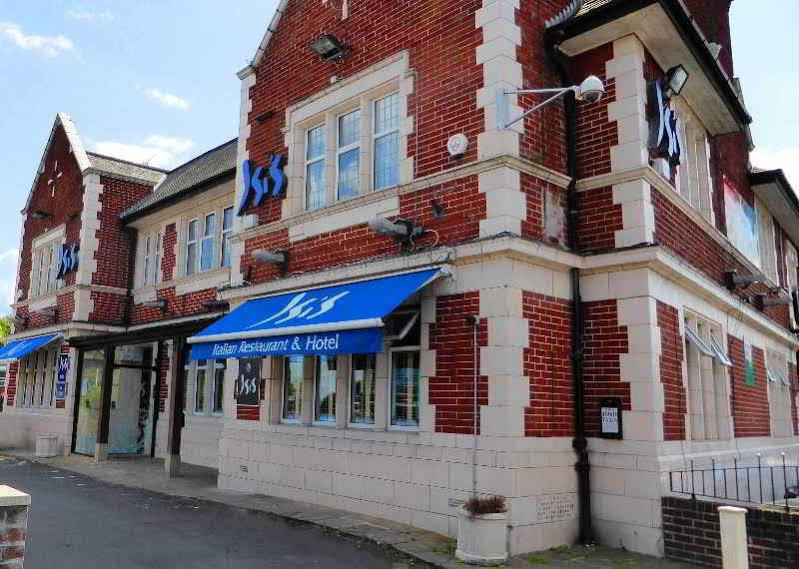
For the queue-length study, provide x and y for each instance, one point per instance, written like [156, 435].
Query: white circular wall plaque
[457, 145]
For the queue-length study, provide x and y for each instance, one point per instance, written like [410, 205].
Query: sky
[155, 80]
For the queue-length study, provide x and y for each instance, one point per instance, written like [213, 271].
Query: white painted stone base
[19, 429]
[408, 478]
[199, 441]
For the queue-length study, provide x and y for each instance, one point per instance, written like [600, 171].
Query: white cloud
[786, 158]
[8, 271]
[155, 150]
[88, 16]
[167, 99]
[49, 46]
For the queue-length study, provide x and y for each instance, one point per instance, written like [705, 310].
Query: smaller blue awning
[21, 348]
[340, 319]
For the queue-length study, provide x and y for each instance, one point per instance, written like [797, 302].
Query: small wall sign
[249, 382]
[67, 260]
[261, 182]
[64, 363]
[610, 418]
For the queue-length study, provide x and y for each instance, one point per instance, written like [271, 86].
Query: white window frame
[390, 425]
[283, 418]
[341, 150]
[779, 394]
[317, 362]
[219, 237]
[227, 235]
[706, 381]
[214, 238]
[44, 265]
[694, 177]
[767, 242]
[210, 367]
[152, 251]
[350, 369]
[378, 135]
[315, 160]
[190, 242]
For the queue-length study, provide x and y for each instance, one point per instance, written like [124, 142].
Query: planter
[46, 446]
[483, 539]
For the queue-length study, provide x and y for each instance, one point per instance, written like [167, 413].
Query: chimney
[713, 18]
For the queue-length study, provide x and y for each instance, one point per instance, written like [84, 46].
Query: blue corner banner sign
[21, 348]
[64, 363]
[340, 319]
[67, 260]
[260, 182]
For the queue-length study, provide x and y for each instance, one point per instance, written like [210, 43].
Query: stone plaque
[557, 508]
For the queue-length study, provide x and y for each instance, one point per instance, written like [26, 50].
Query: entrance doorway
[131, 413]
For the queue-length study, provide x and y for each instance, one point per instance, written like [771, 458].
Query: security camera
[401, 229]
[590, 90]
[270, 257]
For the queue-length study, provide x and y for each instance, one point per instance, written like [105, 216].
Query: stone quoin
[563, 263]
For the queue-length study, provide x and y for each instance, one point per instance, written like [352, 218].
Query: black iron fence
[775, 485]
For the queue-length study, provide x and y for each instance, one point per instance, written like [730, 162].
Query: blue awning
[341, 319]
[21, 348]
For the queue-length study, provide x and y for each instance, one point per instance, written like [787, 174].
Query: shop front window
[404, 403]
[362, 390]
[293, 380]
[325, 393]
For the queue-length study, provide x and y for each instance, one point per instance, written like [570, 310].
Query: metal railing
[756, 484]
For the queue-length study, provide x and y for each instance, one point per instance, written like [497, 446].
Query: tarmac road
[80, 523]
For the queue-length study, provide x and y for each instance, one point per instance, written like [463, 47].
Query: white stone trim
[328, 222]
[90, 224]
[202, 281]
[242, 154]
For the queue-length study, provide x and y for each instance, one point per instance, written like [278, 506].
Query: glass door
[131, 416]
[91, 383]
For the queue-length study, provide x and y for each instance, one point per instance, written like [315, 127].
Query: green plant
[492, 505]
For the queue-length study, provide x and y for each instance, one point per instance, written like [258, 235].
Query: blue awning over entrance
[21, 348]
[340, 319]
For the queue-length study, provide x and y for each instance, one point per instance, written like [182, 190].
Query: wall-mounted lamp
[590, 91]
[21, 321]
[265, 116]
[39, 214]
[160, 304]
[279, 258]
[402, 230]
[217, 305]
[51, 312]
[329, 48]
[761, 301]
[733, 281]
[676, 78]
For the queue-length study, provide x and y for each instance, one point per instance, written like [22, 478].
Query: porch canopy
[340, 319]
[21, 348]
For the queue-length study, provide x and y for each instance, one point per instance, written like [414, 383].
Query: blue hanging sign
[64, 363]
[664, 125]
[67, 260]
[262, 182]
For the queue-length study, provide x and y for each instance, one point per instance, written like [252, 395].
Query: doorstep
[432, 549]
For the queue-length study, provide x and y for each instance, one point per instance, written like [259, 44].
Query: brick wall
[713, 18]
[604, 341]
[750, 408]
[11, 382]
[671, 359]
[691, 532]
[441, 38]
[686, 239]
[794, 379]
[598, 219]
[548, 365]
[452, 388]
[13, 531]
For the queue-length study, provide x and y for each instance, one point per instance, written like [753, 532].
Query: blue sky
[155, 80]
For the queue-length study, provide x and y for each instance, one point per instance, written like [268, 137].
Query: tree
[6, 326]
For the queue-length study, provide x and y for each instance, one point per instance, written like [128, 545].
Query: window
[227, 233]
[325, 391]
[3, 373]
[349, 155]
[693, 177]
[45, 268]
[191, 247]
[53, 374]
[293, 382]
[152, 259]
[779, 394]
[207, 247]
[205, 384]
[315, 168]
[791, 268]
[362, 390]
[706, 361]
[404, 400]
[767, 242]
[36, 378]
[386, 142]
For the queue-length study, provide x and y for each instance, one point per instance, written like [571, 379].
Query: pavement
[128, 514]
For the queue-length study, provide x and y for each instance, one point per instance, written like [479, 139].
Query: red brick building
[581, 258]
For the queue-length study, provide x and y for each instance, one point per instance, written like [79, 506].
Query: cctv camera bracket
[503, 108]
